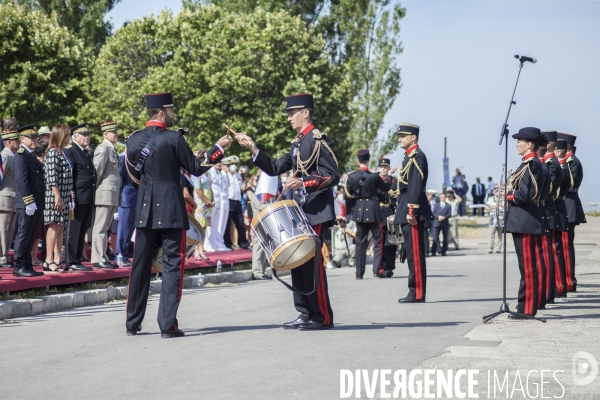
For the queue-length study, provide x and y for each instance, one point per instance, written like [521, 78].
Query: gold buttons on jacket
[140, 222]
[160, 223]
[157, 205]
[144, 204]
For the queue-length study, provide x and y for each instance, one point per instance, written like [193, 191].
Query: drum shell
[285, 235]
[193, 236]
[394, 232]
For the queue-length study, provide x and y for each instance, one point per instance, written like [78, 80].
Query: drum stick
[283, 189]
[234, 132]
[229, 129]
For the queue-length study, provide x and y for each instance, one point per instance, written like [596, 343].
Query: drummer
[314, 172]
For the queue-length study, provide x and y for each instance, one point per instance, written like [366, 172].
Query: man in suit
[524, 219]
[312, 157]
[155, 156]
[29, 199]
[413, 210]
[441, 215]
[8, 191]
[84, 187]
[478, 193]
[362, 188]
[575, 211]
[126, 215]
[108, 192]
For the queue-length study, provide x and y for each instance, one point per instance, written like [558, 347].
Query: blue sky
[458, 73]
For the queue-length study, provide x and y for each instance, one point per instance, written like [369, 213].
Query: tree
[84, 18]
[43, 67]
[362, 37]
[221, 66]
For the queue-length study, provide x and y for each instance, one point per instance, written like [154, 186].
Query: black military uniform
[161, 217]
[575, 211]
[542, 261]
[412, 200]
[387, 207]
[84, 187]
[312, 155]
[29, 173]
[361, 189]
[552, 239]
[561, 207]
[524, 220]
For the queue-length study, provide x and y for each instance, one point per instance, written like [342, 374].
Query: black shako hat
[408, 129]
[551, 135]
[569, 138]
[299, 101]
[159, 100]
[363, 155]
[29, 130]
[530, 134]
[384, 162]
[561, 144]
[82, 129]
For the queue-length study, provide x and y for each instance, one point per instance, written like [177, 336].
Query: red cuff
[216, 155]
[510, 196]
[312, 182]
[411, 210]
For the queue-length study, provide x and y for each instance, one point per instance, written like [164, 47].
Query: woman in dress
[59, 196]
[203, 196]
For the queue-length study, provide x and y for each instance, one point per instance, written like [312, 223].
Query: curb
[11, 309]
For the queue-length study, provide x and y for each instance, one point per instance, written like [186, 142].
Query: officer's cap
[299, 101]
[529, 134]
[569, 138]
[108, 126]
[551, 135]
[408, 129]
[82, 129]
[159, 100]
[384, 162]
[29, 130]
[363, 155]
[561, 144]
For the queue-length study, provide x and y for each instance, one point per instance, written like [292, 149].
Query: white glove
[30, 209]
[116, 216]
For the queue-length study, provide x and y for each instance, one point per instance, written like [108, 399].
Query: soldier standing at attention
[524, 218]
[413, 210]
[361, 189]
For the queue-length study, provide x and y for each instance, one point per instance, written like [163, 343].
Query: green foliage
[84, 18]
[221, 66]
[43, 67]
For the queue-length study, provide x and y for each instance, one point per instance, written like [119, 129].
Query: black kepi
[29, 130]
[551, 135]
[569, 138]
[384, 162]
[408, 129]
[159, 100]
[299, 101]
[363, 155]
[82, 129]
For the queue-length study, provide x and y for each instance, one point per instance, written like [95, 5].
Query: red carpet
[9, 283]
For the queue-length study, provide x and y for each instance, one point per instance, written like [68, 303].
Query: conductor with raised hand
[155, 156]
[313, 162]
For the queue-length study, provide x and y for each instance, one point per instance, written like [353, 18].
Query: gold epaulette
[528, 160]
[131, 135]
[413, 153]
[317, 134]
[570, 159]
[68, 146]
[21, 150]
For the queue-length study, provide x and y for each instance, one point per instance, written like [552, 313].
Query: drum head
[293, 253]
[193, 234]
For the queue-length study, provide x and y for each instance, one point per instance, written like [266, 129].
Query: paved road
[235, 347]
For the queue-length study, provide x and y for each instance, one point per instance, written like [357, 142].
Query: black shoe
[133, 332]
[104, 265]
[432, 255]
[293, 324]
[172, 334]
[26, 272]
[7, 265]
[245, 247]
[560, 296]
[358, 277]
[126, 262]
[572, 290]
[541, 308]
[443, 254]
[389, 274]
[79, 267]
[311, 325]
[516, 316]
[410, 299]
[549, 301]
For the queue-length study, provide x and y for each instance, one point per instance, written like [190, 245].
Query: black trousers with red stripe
[315, 306]
[173, 245]
[415, 257]
[525, 247]
[571, 280]
[362, 234]
[549, 260]
[540, 263]
[559, 262]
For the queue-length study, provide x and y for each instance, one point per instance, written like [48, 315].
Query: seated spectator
[343, 248]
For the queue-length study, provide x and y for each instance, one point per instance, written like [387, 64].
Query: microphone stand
[504, 135]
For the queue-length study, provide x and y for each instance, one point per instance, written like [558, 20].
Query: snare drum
[285, 235]
[193, 236]
[394, 234]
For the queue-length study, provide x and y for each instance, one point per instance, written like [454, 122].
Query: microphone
[525, 58]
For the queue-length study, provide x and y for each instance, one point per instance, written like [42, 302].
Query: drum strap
[317, 259]
[361, 183]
